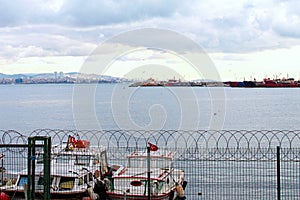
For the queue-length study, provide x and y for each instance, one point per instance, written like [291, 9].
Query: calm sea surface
[116, 106]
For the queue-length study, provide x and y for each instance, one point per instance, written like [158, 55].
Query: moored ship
[71, 171]
[137, 181]
[170, 83]
[267, 83]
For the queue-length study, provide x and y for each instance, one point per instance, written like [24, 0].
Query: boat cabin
[159, 159]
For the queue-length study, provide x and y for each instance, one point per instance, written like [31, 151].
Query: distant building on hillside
[61, 75]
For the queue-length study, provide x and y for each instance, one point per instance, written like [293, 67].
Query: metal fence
[218, 164]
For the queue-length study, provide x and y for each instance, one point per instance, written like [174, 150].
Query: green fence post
[47, 157]
[278, 172]
[31, 169]
[28, 169]
[31, 166]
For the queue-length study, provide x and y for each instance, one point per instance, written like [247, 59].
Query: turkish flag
[152, 147]
[72, 140]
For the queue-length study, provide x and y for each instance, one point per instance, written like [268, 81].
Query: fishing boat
[147, 174]
[72, 166]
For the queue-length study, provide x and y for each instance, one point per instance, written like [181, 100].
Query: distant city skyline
[245, 40]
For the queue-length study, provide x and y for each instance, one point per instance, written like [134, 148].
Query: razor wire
[189, 145]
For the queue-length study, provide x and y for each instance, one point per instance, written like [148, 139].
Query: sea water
[116, 106]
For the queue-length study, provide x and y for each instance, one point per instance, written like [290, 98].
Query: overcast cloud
[30, 28]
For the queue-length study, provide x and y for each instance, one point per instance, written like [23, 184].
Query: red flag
[152, 147]
[72, 140]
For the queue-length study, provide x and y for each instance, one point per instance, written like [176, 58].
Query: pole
[31, 166]
[31, 169]
[148, 168]
[2, 166]
[47, 160]
[278, 172]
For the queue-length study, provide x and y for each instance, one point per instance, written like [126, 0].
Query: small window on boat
[155, 163]
[161, 163]
[23, 180]
[96, 159]
[83, 179]
[63, 159]
[66, 183]
[80, 181]
[41, 180]
[40, 158]
[90, 176]
[82, 160]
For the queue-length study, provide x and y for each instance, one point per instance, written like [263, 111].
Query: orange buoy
[4, 196]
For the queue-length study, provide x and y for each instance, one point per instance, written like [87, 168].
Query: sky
[244, 39]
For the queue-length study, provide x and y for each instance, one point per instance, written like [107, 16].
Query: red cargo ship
[290, 82]
[267, 82]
